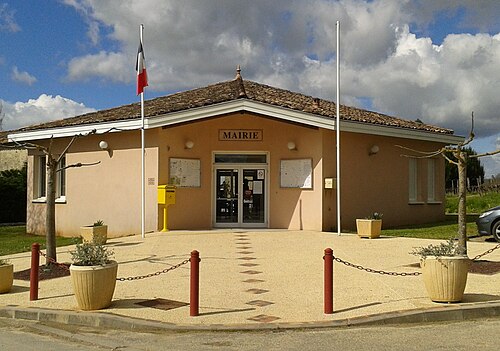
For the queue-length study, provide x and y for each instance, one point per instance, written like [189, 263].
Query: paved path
[258, 278]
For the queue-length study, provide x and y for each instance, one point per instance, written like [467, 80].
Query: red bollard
[194, 296]
[35, 263]
[328, 258]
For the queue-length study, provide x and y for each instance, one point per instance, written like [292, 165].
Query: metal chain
[369, 270]
[166, 270]
[486, 252]
[51, 260]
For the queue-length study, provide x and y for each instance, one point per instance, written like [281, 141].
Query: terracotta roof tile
[237, 88]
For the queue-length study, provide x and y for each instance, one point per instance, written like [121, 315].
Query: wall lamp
[189, 144]
[103, 145]
[291, 146]
[373, 150]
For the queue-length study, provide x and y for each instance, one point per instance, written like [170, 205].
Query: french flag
[140, 67]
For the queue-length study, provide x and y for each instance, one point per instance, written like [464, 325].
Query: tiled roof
[237, 88]
[3, 137]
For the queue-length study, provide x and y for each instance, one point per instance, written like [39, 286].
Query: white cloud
[22, 77]
[7, 21]
[388, 58]
[44, 108]
[110, 66]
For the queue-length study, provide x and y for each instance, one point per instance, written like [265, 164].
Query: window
[431, 180]
[61, 179]
[240, 158]
[40, 179]
[40, 183]
[413, 180]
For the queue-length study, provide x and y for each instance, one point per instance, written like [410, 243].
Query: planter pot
[6, 277]
[94, 285]
[445, 277]
[94, 234]
[369, 228]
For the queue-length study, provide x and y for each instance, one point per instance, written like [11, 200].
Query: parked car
[488, 223]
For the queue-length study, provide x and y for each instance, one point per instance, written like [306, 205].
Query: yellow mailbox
[170, 198]
[166, 196]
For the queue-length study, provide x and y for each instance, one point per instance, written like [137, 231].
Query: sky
[433, 60]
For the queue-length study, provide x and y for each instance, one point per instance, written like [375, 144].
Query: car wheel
[496, 231]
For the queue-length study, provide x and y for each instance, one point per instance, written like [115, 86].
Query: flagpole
[337, 127]
[143, 190]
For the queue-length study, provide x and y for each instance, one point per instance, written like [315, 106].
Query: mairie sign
[240, 134]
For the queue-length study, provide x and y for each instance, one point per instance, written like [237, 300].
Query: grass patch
[442, 230]
[475, 203]
[14, 240]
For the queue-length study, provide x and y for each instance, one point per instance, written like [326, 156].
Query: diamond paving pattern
[260, 303]
[251, 272]
[253, 281]
[162, 304]
[257, 291]
[248, 264]
[263, 318]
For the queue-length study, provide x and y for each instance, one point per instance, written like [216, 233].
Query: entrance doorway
[240, 194]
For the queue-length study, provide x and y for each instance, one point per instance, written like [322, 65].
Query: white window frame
[413, 180]
[61, 181]
[40, 178]
[431, 180]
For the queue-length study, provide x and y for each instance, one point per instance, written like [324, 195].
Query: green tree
[475, 170]
[13, 190]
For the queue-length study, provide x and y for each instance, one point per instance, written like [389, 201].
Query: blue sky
[433, 60]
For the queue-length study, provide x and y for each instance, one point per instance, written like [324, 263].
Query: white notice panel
[185, 172]
[296, 173]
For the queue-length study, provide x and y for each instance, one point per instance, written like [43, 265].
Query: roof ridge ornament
[241, 87]
[238, 73]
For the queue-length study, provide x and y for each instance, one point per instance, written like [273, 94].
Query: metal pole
[328, 281]
[194, 295]
[337, 128]
[35, 263]
[143, 190]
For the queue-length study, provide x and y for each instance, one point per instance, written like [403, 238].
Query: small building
[11, 157]
[241, 155]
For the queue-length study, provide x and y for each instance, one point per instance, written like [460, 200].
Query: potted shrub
[444, 270]
[6, 276]
[370, 227]
[93, 275]
[95, 233]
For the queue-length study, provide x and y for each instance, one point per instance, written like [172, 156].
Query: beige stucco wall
[288, 208]
[109, 191]
[380, 182]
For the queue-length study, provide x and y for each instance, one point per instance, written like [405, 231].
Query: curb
[113, 321]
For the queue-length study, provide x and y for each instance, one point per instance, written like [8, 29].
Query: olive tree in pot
[444, 270]
[6, 276]
[93, 275]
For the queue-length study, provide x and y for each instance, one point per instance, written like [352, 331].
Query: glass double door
[240, 197]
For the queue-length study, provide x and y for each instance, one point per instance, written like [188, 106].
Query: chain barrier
[166, 270]
[369, 270]
[486, 253]
[403, 274]
[51, 260]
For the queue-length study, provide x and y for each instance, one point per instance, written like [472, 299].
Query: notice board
[185, 172]
[296, 173]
